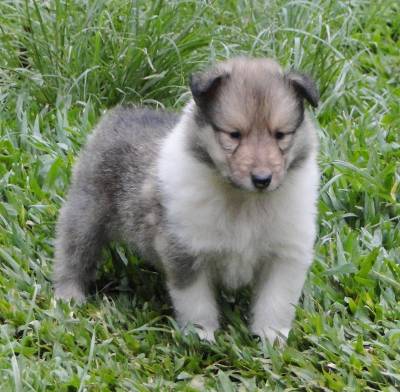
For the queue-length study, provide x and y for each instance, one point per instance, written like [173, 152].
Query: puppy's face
[250, 116]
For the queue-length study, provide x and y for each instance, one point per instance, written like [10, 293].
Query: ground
[62, 63]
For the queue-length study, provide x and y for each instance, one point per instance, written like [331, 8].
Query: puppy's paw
[69, 291]
[271, 334]
[205, 333]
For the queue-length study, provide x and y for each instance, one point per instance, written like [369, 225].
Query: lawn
[63, 62]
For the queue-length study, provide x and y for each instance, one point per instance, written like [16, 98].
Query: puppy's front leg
[189, 286]
[276, 295]
[195, 304]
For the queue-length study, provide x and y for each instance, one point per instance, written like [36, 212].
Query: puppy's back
[102, 201]
[124, 143]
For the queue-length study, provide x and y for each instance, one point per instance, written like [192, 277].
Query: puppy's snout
[261, 181]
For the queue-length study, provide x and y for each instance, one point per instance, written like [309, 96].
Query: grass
[62, 62]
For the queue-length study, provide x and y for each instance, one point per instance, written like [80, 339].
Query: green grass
[63, 62]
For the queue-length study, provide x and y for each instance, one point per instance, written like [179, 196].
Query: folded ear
[204, 86]
[304, 86]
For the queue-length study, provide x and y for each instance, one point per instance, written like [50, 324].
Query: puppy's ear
[304, 86]
[204, 86]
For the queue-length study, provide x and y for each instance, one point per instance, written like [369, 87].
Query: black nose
[261, 182]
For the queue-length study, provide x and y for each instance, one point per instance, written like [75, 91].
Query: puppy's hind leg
[80, 239]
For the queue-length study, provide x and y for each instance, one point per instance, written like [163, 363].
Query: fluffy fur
[224, 194]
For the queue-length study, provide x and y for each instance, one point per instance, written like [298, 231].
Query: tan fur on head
[255, 112]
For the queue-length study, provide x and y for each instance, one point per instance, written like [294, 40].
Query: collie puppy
[223, 194]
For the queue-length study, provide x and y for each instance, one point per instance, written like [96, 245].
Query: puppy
[223, 194]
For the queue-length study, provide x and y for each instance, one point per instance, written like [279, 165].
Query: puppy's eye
[280, 135]
[235, 135]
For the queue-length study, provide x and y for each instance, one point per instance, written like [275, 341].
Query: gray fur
[106, 200]
[198, 151]
[180, 265]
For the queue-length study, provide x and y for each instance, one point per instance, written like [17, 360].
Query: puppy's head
[250, 121]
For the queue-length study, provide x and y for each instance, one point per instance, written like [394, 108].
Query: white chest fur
[209, 216]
